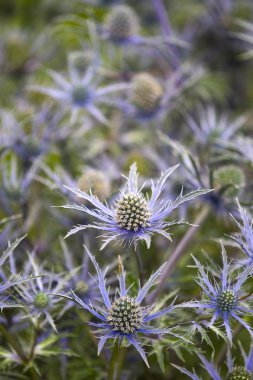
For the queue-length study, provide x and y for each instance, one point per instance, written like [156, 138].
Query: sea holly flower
[226, 180]
[229, 177]
[151, 98]
[122, 27]
[245, 238]
[124, 316]
[38, 303]
[225, 298]
[234, 372]
[81, 92]
[134, 216]
[211, 128]
[122, 24]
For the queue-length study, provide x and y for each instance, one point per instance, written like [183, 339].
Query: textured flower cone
[239, 373]
[230, 176]
[132, 212]
[122, 23]
[226, 300]
[80, 95]
[146, 92]
[95, 181]
[41, 300]
[125, 315]
[80, 61]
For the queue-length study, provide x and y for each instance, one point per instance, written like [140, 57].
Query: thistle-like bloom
[234, 372]
[122, 27]
[150, 99]
[224, 299]
[81, 93]
[124, 316]
[245, 238]
[38, 304]
[227, 181]
[211, 128]
[134, 216]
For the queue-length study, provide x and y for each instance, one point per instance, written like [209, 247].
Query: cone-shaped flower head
[41, 300]
[124, 316]
[95, 181]
[122, 23]
[225, 299]
[146, 92]
[80, 61]
[134, 216]
[239, 373]
[230, 178]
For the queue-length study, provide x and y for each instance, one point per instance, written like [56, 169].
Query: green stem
[116, 362]
[223, 350]
[140, 266]
[34, 340]
[178, 253]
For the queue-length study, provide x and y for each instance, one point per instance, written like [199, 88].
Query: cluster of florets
[122, 23]
[80, 61]
[125, 315]
[80, 95]
[41, 300]
[226, 300]
[239, 373]
[146, 92]
[132, 212]
[231, 178]
[95, 181]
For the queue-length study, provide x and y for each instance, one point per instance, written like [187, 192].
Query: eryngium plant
[134, 216]
[224, 299]
[125, 316]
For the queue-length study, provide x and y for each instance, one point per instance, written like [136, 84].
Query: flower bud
[146, 92]
[96, 182]
[80, 61]
[122, 23]
[230, 178]
[41, 300]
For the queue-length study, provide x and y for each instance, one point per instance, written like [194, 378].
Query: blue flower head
[124, 316]
[245, 238]
[134, 216]
[211, 128]
[36, 297]
[81, 93]
[224, 299]
[234, 372]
